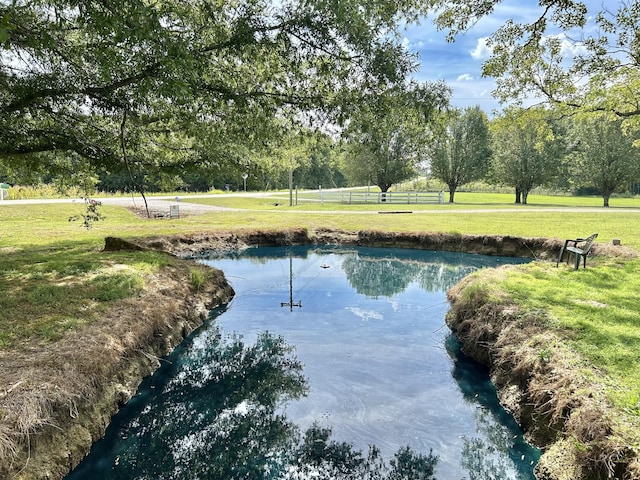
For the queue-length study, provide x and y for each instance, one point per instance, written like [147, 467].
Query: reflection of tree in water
[440, 277]
[318, 457]
[480, 460]
[375, 277]
[216, 418]
[499, 454]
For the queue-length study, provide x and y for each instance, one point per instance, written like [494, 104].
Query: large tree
[389, 135]
[107, 79]
[605, 157]
[462, 151]
[569, 55]
[528, 149]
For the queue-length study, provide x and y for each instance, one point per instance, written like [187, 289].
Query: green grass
[26, 225]
[596, 311]
[53, 278]
[47, 291]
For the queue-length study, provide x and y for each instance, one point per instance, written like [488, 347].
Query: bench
[571, 246]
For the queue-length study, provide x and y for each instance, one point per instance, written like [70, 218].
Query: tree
[105, 79]
[606, 157]
[389, 135]
[568, 55]
[462, 152]
[321, 166]
[528, 149]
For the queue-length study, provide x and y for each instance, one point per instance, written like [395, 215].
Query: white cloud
[465, 77]
[365, 314]
[568, 48]
[413, 45]
[481, 51]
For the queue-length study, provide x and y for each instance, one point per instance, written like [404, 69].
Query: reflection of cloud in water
[395, 305]
[365, 314]
[372, 350]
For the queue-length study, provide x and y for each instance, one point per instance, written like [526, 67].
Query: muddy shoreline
[58, 448]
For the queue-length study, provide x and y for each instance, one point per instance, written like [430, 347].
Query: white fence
[405, 198]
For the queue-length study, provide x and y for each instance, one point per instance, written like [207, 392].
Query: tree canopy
[568, 55]
[605, 157]
[126, 85]
[389, 134]
[461, 153]
[529, 146]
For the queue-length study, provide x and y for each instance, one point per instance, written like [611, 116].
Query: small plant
[197, 279]
[90, 215]
[544, 355]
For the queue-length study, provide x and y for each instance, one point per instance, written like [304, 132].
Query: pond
[329, 363]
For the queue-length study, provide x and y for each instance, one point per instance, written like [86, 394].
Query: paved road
[162, 204]
[156, 204]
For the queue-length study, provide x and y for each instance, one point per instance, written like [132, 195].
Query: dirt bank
[202, 244]
[547, 387]
[61, 396]
[70, 394]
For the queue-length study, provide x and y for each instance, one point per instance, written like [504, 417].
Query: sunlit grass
[33, 225]
[596, 309]
[46, 291]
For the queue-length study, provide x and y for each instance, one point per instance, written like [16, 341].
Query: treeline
[588, 154]
[193, 96]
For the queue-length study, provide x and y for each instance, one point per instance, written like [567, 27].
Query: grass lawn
[596, 310]
[44, 258]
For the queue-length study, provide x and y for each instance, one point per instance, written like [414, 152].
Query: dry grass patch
[125, 307]
[510, 319]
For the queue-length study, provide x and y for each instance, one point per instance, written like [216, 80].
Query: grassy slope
[595, 312]
[595, 308]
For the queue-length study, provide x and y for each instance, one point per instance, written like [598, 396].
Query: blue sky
[459, 64]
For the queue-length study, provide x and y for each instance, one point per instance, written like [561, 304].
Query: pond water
[329, 363]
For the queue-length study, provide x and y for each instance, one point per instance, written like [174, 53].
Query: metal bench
[582, 250]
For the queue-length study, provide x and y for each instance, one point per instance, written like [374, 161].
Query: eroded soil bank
[543, 383]
[61, 396]
[195, 245]
[126, 345]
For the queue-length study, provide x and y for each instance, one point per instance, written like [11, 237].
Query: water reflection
[381, 376]
[215, 417]
[210, 413]
[379, 277]
[383, 272]
[385, 277]
[497, 453]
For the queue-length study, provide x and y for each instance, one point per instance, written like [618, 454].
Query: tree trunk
[452, 192]
[384, 188]
[605, 199]
[137, 186]
[518, 195]
[525, 196]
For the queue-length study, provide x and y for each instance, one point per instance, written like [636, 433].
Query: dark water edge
[129, 449]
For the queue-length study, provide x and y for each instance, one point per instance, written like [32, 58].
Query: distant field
[463, 200]
[546, 216]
